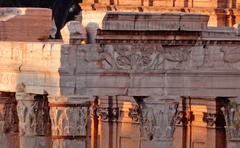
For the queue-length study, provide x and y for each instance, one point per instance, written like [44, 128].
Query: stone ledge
[143, 21]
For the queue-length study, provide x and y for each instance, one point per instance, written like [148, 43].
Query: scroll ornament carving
[68, 121]
[108, 113]
[144, 56]
[181, 118]
[232, 118]
[135, 113]
[159, 122]
[33, 117]
[209, 118]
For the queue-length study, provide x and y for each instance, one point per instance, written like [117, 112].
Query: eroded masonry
[124, 79]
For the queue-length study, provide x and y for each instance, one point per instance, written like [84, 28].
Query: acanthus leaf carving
[231, 113]
[68, 121]
[8, 115]
[158, 122]
[33, 115]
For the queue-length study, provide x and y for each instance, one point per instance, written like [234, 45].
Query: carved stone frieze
[158, 120]
[69, 121]
[33, 114]
[141, 56]
[209, 118]
[108, 113]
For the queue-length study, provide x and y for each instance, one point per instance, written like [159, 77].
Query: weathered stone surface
[33, 115]
[70, 120]
[138, 21]
[25, 24]
[8, 120]
[74, 33]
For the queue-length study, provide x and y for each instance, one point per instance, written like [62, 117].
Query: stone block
[193, 22]
[74, 33]
[139, 21]
[25, 24]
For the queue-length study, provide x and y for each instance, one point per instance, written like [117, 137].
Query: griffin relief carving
[140, 56]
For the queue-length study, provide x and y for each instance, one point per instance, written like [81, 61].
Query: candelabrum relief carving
[158, 120]
[69, 121]
[33, 113]
[232, 117]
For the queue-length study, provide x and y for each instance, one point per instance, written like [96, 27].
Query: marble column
[34, 121]
[158, 118]
[8, 120]
[70, 118]
[232, 116]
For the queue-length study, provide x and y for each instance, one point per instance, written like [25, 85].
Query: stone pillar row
[52, 122]
[63, 122]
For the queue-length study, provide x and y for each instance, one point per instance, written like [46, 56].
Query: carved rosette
[210, 119]
[33, 114]
[108, 113]
[158, 120]
[232, 118]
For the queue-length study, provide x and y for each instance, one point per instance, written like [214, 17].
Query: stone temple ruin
[129, 79]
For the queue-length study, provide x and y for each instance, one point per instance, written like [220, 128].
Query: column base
[168, 143]
[35, 142]
[69, 143]
[9, 140]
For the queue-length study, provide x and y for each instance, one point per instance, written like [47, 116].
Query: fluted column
[158, 118]
[70, 118]
[34, 121]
